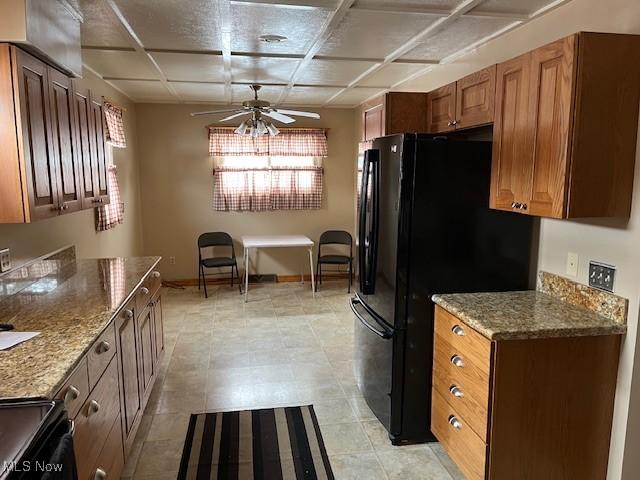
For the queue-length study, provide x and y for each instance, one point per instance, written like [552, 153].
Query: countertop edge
[618, 329]
[51, 394]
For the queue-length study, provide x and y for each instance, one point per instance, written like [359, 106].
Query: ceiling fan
[256, 125]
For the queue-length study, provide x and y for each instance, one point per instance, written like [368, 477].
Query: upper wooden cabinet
[43, 154]
[565, 128]
[394, 112]
[467, 103]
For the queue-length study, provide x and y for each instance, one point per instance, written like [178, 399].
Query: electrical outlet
[5, 260]
[172, 260]
[601, 276]
[572, 264]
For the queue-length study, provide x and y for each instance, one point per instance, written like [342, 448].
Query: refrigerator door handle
[368, 243]
[385, 333]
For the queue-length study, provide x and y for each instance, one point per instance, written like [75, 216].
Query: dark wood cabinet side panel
[85, 145]
[38, 152]
[552, 408]
[158, 327]
[374, 122]
[13, 195]
[100, 152]
[128, 362]
[146, 369]
[606, 126]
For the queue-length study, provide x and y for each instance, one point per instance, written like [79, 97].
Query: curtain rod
[114, 103]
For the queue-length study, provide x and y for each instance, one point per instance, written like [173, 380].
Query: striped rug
[269, 444]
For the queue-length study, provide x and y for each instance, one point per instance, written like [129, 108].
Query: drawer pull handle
[155, 274]
[128, 314]
[144, 291]
[103, 347]
[94, 407]
[457, 361]
[455, 391]
[71, 394]
[454, 422]
[458, 330]
[100, 474]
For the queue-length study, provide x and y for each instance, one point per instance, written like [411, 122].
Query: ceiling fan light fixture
[242, 128]
[261, 128]
[272, 38]
[273, 130]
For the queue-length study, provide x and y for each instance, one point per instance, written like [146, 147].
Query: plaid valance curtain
[111, 214]
[114, 133]
[291, 142]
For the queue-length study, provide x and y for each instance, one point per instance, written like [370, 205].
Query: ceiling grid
[337, 53]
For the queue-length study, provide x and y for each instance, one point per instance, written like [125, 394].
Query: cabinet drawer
[111, 459]
[471, 403]
[147, 290]
[454, 366]
[464, 339]
[95, 420]
[101, 352]
[462, 444]
[76, 389]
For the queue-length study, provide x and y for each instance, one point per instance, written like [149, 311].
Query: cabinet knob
[71, 394]
[523, 206]
[455, 391]
[457, 361]
[516, 205]
[455, 122]
[155, 274]
[449, 124]
[144, 291]
[128, 314]
[94, 407]
[454, 422]
[103, 347]
[458, 330]
[100, 474]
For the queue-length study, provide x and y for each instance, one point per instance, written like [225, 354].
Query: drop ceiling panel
[446, 5]
[374, 35]
[267, 92]
[310, 95]
[200, 92]
[143, 90]
[190, 66]
[262, 70]
[101, 27]
[120, 64]
[391, 74]
[331, 72]
[460, 34]
[355, 96]
[299, 25]
[174, 25]
[509, 6]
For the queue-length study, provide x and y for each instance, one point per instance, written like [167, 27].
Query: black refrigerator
[425, 227]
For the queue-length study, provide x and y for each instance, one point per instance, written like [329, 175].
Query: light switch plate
[572, 264]
[5, 260]
[601, 276]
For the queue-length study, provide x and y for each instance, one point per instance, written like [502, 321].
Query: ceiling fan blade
[298, 114]
[279, 117]
[214, 112]
[235, 115]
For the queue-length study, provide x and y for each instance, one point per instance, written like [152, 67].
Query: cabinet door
[551, 96]
[85, 146]
[37, 139]
[146, 368]
[68, 163]
[158, 327]
[475, 98]
[100, 181]
[128, 364]
[510, 171]
[374, 122]
[441, 109]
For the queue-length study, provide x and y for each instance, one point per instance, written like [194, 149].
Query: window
[260, 183]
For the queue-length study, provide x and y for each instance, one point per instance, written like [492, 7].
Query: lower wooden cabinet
[109, 389]
[525, 409]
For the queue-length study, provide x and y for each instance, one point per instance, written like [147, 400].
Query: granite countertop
[527, 314]
[70, 305]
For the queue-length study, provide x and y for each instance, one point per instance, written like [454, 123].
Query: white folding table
[275, 241]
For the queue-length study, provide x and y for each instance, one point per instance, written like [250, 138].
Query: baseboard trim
[193, 282]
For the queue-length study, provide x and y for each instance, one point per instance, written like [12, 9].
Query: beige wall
[177, 191]
[611, 242]
[31, 240]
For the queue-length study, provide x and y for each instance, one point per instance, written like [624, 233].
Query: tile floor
[281, 348]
